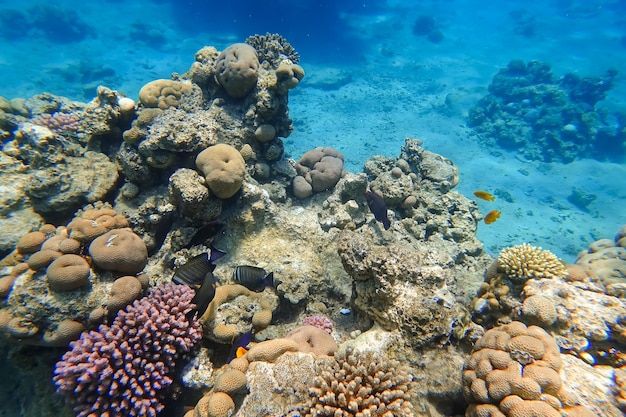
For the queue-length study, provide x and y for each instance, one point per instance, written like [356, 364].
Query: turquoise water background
[372, 80]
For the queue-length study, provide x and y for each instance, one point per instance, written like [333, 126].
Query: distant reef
[543, 117]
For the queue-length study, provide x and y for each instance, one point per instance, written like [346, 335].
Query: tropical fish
[492, 216]
[206, 232]
[197, 273]
[253, 277]
[378, 208]
[484, 195]
[240, 346]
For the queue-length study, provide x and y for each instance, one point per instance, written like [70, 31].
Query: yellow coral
[525, 261]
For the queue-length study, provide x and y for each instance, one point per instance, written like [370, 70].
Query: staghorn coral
[125, 369]
[361, 384]
[525, 261]
[273, 49]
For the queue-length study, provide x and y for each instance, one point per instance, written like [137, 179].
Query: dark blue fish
[240, 346]
[206, 232]
[378, 208]
[253, 277]
[197, 273]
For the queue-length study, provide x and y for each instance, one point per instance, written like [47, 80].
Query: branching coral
[125, 369]
[525, 261]
[362, 384]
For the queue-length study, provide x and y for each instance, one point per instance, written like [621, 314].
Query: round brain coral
[224, 169]
[524, 261]
[119, 250]
[67, 273]
[237, 68]
[163, 93]
[125, 369]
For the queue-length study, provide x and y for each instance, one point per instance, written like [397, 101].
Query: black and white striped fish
[197, 273]
[253, 277]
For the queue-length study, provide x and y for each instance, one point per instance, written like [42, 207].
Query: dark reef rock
[547, 118]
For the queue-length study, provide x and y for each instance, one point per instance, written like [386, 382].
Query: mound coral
[119, 250]
[237, 68]
[525, 261]
[163, 93]
[514, 371]
[224, 169]
[125, 369]
[360, 384]
[321, 168]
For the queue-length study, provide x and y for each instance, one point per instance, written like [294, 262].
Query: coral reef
[546, 118]
[126, 369]
[65, 145]
[50, 288]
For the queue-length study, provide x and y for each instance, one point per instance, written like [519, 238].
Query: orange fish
[492, 216]
[484, 195]
[240, 352]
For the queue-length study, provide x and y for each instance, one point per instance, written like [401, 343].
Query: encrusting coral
[126, 369]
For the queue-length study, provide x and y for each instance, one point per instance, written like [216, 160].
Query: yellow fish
[492, 216]
[484, 195]
[240, 352]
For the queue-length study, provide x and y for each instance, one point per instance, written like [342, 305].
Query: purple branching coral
[58, 122]
[124, 369]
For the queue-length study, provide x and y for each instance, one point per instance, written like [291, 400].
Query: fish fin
[241, 351]
[215, 253]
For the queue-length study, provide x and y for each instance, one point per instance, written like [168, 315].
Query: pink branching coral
[58, 122]
[320, 322]
[124, 369]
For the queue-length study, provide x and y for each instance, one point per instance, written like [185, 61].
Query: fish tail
[269, 280]
[215, 253]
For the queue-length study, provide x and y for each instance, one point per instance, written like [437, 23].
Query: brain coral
[224, 169]
[360, 384]
[125, 369]
[68, 272]
[163, 93]
[119, 250]
[237, 68]
[524, 261]
[514, 371]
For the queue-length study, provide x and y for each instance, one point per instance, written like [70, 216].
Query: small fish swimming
[378, 208]
[197, 273]
[253, 277]
[484, 195]
[492, 216]
[206, 232]
[240, 346]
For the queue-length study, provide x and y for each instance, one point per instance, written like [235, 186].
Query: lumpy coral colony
[406, 318]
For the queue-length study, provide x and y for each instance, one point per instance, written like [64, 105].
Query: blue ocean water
[377, 72]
